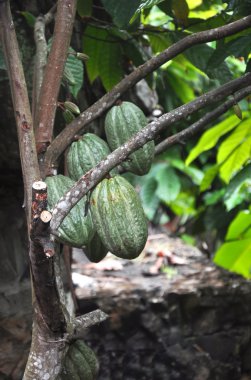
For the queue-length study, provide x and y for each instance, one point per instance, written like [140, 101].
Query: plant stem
[46, 111]
[21, 104]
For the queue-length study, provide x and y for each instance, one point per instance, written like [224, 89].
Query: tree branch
[203, 122]
[83, 322]
[65, 138]
[95, 175]
[41, 54]
[20, 103]
[53, 73]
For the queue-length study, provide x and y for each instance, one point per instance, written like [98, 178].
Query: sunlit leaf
[235, 256]
[233, 140]
[240, 227]
[236, 160]
[210, 138]
[29, 17]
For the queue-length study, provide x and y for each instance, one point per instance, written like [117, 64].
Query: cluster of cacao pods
[115, 220]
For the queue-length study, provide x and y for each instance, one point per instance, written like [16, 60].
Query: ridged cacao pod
[76, 229]
[86, 153]
[118, 217]
[80, 363]
[121, 123]
[95, 250]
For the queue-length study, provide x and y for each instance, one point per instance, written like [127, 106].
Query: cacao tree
[59, 209]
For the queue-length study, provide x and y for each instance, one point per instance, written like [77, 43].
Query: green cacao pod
[95, 250]
[86, 153]
[80, 363]
[76, 229]
[121, 123]
[118, 217]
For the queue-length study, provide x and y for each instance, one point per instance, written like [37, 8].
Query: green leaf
[240, 226]
[75, 66]
[180, 87]
[210, 138]
[110, 72]
[242, 177]
[168, 184]
[234, 140]
[29, 17]
[159, 42]
[84, 8]
[103, 54]
[200, 56]
[195, 174]
[121, 11]
[235, 256]
[239, 47]
[209, 177]
[73, 71]
[214, 197]
[235, 151]
[184, 205]
[149, 199]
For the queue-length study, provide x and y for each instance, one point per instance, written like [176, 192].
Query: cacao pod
[121, 123]
[86, 153]
[80, 363]
[95, 250]
[118, 217]
[76, 229]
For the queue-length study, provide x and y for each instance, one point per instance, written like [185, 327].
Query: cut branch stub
[39, 199]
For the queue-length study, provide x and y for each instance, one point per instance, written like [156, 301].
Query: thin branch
[64, 139]
[203, 122]
[41, 54]
[53, 73]
[91, 178]
[80, 324]
[20, 103]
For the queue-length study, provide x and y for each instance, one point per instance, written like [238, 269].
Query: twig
[20, 103]
[64, 139]
[91, 178]
[53, 73]
[80, 324]
[203, 122]
[41, 54]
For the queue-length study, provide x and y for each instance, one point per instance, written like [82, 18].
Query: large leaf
[239, 47]
[236, 160]
[149, 199]
[121, 11]
[240, 227]
[235, 256]
[244, 176]
[180, 87]
[105, 56]
[210, 138]
[200, 56]
[168, 184]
